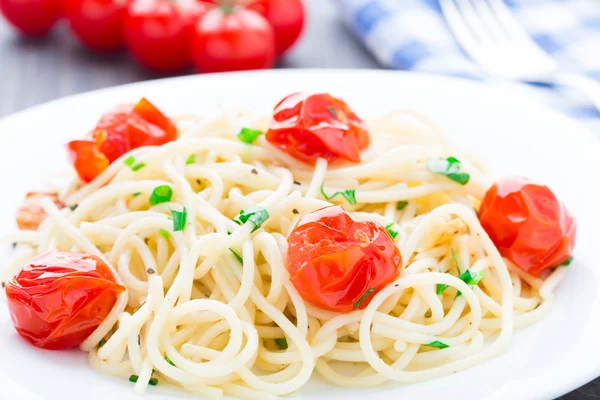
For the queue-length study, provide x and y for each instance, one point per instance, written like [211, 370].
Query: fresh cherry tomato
[98, 23]
[285, 16]
[159, 32]
[337, 263]
[232, 39]
[125, 128]
[58, 299]
[528, 224]
[309, 126]
[32, 17]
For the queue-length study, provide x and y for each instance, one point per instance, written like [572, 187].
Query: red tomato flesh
[334, 261]
[232, 40]
[125, 128]
[285, 16]
[159, 32]
[58, 299]
[32, 17]
[310, 126]
[528, 224]
[98, 24]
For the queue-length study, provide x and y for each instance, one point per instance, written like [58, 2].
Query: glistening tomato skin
[98, 24]
[333, 260]
[32, 17]
[528, 224]
[232, 40]
[285, 16]
[125, 128]
[159, 32]
[310, 126]
[58, 299]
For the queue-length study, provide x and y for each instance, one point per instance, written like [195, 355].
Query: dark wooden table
[36, 71]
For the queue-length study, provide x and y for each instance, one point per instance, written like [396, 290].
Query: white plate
[513, 135]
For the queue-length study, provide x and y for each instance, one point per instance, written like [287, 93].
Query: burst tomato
[337, 263]
[528, 224]
[285, 16]
[32, 17]
[98, 24]
[125, 128]
[58, 299]
[159, 32]
[232, 39]
[309, 126]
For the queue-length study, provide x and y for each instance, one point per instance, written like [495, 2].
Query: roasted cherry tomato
[528, 224]
[231, 39]
[285, 16]
[125, 128]
[309, 126]
[58, 299]
[98, 24]
[32, 17]
[337, 263]
[159, 32]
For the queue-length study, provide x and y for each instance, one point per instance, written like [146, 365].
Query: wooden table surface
[37, 71]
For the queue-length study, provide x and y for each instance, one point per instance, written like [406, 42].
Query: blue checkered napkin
[412, 35]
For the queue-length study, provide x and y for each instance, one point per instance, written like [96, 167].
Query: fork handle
[589, 87]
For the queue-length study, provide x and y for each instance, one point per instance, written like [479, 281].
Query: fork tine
[509, 22]
[461, 31]
[491, 21]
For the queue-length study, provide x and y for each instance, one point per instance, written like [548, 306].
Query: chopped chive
[392, 232]
[191, 159]
[138, 166]
[349, 195]
[567, 261]
[332, 111]
[101, 343]
[74, 207]
[440, 288]
[453, 254]
[129, 161]
[282, 343]
[449, 167]
[363, 297]
[257, 215]
[136, 194]
[179, 219]
[167, 359]
[437, 344]
[248, 135]
[152, 381]
[239, 258]
[164, 233]
[161, 194]
[401, 205]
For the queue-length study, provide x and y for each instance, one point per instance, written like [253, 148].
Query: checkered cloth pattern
[413, 35]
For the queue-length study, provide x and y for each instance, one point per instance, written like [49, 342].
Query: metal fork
[492, 37]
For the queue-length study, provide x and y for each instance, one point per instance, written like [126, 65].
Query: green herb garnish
[364, 296]
[449, 167]
[392, 232]
[248, 135]
[191, 159]
[440, 288]
[136, 194]
[164, 233]
[467, 277]
[74, 207]
[131, 163]
[332, 111]
[239, 258]
[167, 359]
[255, 214]
[161, 194]
[152, 381]
[453, 254]
[101, 343]
[568, 261]
[437, 344]
[401, 205]
[282, 343]
[349, 195]
[179, 219]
